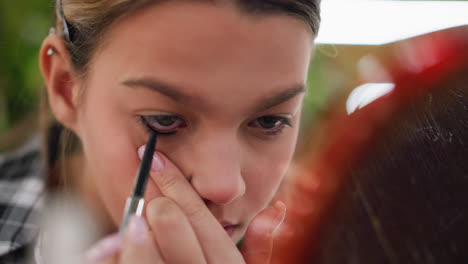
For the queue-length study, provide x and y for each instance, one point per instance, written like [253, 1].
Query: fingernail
[138, 230]
[157, 164]
[104, 248]
[281, 209]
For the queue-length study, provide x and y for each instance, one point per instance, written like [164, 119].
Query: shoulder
[21, 192]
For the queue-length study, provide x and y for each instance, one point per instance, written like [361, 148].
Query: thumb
[258, 242]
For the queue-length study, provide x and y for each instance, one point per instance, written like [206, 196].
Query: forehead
[200, 45]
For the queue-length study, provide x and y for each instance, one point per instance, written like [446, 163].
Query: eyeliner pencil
[135, 203]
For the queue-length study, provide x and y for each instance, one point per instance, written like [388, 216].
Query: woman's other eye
[163, 123]
[271, 125]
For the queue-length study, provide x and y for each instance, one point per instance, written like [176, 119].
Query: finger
[104, 250]
[215, 242]
[139, 246]
[111, 260]
[258, 242]
[174, 235]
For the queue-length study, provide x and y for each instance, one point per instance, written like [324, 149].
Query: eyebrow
[158, 86]
[175, 94]
[280, 97]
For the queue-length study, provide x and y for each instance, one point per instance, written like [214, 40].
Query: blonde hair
[88, 21]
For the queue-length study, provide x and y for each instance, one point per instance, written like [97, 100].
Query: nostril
[218, 183]
[224, 194]
[216, 192]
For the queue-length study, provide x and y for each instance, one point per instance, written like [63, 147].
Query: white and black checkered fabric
[21, 197]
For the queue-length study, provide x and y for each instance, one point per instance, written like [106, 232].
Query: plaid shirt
[21, 196]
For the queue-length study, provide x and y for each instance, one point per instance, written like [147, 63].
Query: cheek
[266, 168]
[110, 143]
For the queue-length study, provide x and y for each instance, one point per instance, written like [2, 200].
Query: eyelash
[281, 123]
[145, 124]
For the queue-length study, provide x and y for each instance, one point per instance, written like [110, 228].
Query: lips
[230, 230]
[229, 227]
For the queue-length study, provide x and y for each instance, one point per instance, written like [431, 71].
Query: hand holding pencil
[181, 229]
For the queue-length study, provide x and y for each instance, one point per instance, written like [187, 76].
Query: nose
[217, 173]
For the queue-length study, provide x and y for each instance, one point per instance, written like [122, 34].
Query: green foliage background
[23, 25]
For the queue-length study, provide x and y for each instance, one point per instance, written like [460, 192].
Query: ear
[62, 82]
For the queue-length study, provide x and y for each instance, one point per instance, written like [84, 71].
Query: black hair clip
[68, 29]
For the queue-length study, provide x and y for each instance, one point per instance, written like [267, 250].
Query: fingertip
[160, 163]
[258, 241]
[151, 209]
[139, 246]
[138, 230]
[141, 151]
[104, 248]
[157, 163]
[268, 221]
[280, 208]
[159, 206]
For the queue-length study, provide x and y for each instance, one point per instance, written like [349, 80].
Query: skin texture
[225, 63]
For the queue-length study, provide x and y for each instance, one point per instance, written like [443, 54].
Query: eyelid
[286, 120]
[272, 112]
[271, 132]
[289, 116]
[149, 128]
[156, 113]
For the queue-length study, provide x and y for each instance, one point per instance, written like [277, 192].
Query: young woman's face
[230, 84]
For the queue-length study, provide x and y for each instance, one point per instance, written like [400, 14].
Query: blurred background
[355, 40]
[23, 25]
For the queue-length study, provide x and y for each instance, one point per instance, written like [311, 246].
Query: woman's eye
[163, 123]
[271, 124]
